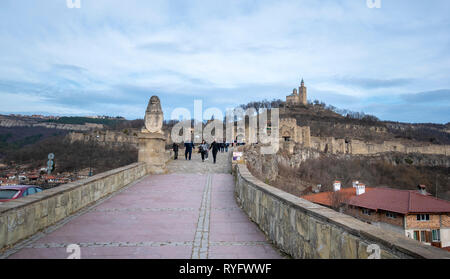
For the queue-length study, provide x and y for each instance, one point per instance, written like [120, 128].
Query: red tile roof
[325, 198]
[400, 201]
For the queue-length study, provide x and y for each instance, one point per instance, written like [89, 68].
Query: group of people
[203, 149]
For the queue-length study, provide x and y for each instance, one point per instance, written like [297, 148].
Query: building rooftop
[400, 201]
[388, 199]
[325, 198]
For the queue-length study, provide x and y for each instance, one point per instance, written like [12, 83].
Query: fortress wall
[357, 147]
[430, 149]
[309, 231]
[26, 216]
[105, 137]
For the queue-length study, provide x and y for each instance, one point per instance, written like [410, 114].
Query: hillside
[17, 131]
[325, 121]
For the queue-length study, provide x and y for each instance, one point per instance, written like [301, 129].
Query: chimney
[317, 190]
[422, 189]
[355, 183]
[360, 189]
[336, 185]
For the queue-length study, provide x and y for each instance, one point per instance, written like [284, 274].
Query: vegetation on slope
[73, 156]
[374, 173]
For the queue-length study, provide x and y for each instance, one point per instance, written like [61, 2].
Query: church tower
[302, 93]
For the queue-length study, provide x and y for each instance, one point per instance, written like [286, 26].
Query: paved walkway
[189, 213]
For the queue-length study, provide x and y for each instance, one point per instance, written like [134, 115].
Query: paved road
[189, 213]
[197, 166]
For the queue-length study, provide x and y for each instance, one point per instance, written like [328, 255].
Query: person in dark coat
[215, 148]
[203, 149]
[175, 150]
[189, 146]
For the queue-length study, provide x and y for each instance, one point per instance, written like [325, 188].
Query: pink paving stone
[161, 208]
[108, 253]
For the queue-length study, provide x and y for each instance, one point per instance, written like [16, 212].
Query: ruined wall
[105, 137]
[302, 135]
[24, 217]
[297, 134]
[309, 231]
[357, 147]
[11, 122]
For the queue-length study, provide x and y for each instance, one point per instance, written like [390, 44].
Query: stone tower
[302, 93]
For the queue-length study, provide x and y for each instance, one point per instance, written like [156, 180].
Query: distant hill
[109, 122]
[17, 132]
[325, 122]
[329, 121]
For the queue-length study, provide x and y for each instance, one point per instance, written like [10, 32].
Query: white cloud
[204, 47]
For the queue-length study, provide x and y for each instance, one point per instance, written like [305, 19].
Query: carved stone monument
[151, 139]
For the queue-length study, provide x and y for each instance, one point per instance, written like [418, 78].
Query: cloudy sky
[109, 56]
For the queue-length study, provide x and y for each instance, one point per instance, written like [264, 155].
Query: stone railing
[306, 230]
[22, 218]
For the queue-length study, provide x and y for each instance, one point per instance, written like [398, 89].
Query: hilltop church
[298, 98]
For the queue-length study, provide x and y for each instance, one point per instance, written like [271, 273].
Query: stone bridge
[199, 210]
[189, 213]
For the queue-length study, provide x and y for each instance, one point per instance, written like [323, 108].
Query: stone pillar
[152, 141]
[152, 152]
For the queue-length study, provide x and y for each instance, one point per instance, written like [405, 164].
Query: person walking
[202, 150]
[175, 150]
[206, 148]
[188, 149]
[215, 148]
[226, 146]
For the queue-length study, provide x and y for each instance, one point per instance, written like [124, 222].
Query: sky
[108, 57]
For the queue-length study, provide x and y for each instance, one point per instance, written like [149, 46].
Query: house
[49, 178]
[414, 214]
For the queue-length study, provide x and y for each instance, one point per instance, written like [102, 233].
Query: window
[7, 194]
[436, 235]
[423, 217]
[366, 211]
[392, 215]
[31, 191]
[423, 236]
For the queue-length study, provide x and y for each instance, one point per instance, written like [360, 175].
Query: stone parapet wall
[306, 230]
[24, 217]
